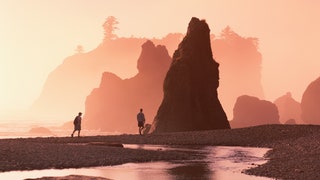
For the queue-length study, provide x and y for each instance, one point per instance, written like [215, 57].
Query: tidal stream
[220, 162]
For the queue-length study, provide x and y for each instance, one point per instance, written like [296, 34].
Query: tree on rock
[79, 49]
[109, 27]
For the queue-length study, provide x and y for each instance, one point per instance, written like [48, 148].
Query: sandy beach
[295, 150]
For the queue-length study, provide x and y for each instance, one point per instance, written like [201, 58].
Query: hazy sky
[36, 35]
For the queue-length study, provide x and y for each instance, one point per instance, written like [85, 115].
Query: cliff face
[190, 88]
[114, 105]
[310, 103]
[251, 111]
[289, 109]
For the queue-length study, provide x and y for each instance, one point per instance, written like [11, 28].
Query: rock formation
[67, 86]
[251, 111]
[240, 68]
[65, 90]
[310, 103]
[289, 109]
[114, 104]
[190, 99]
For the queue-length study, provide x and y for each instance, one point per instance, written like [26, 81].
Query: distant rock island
[310, 103]
[190, 99]
[40, 130]
[114, 104]
[251, 111]
[289, 109]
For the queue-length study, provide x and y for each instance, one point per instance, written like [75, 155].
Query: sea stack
[251, 111]
[113, 106]
[289, 109]
[190, 101]
[310, 103]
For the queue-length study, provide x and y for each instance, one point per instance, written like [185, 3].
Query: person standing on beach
[141, 120]
[77, 124]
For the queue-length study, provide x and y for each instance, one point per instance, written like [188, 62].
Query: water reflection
[192, 171]
[219, 163]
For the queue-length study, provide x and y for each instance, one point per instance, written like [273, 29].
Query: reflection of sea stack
[310, 103]
[114, 105]
[190, 88]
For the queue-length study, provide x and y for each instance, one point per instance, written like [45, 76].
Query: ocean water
[22, 130]
[220, 162]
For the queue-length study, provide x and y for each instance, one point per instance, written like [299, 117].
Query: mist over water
[260, 55]
[287, 39]
[24, 130]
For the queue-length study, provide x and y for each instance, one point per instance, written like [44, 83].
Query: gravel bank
[295, 150]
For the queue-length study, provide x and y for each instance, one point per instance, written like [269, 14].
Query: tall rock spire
[190, 88]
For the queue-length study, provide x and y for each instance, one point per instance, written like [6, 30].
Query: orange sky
[36, 35]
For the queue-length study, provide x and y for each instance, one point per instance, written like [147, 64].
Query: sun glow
[37, 35]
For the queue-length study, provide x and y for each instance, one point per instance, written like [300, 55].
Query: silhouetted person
[77, 124]
[141, 120]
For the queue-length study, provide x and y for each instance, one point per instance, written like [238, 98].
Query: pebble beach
[294, 154]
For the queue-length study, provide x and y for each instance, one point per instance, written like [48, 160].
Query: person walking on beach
[77, 124]
[141, 120]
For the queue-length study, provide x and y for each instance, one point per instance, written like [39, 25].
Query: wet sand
[295, 150]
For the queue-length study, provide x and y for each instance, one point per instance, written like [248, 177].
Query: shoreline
[294, 154]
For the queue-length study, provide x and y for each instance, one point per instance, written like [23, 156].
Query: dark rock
[251, 111]
[106, 144]
[288, 108]
[69, 177]
[190, 88]
[114, 105]
[146, 129]
[310, 103]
